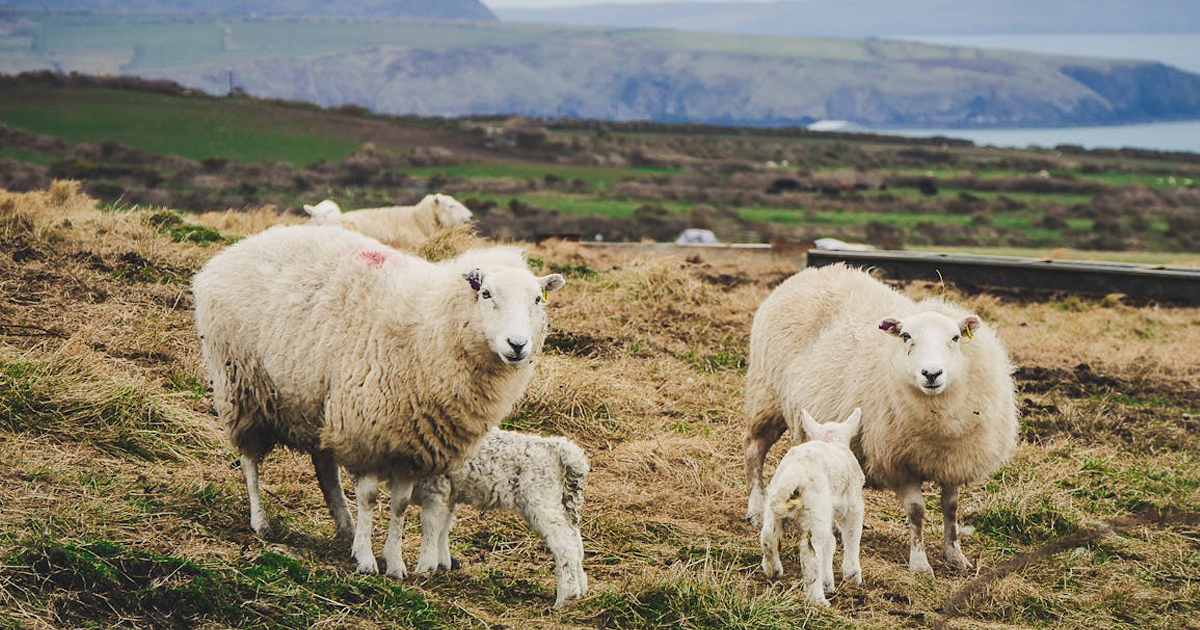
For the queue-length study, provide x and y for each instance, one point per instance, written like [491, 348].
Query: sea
[1181, 50]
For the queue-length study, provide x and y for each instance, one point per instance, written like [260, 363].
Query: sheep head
[832, 432]
[324, 213]
[448, 211]
[510, 309]
[929, 352]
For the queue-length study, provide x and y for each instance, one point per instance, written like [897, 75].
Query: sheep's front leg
[566, 545]
[914, 505]
[330, 480]
[366, 491]
[401, 493]
[951, 550]
[258, 516]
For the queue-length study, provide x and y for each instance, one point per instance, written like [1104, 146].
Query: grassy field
[120, 507]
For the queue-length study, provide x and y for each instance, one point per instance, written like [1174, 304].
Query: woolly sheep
[329, 342]
[934, 382]
[817, 486]
[540, 478]
[405, 227]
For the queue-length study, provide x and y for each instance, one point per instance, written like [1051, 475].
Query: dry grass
[119, 506]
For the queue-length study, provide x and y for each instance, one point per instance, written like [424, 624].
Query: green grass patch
[591, 175]
[1017, 523]
[171, 223]
[27, 155]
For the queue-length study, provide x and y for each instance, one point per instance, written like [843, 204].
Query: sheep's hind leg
[951, 550]
[436, 521]
[566, 545]
[258, 516]
[914, 505]
[330, 479]
[366, 491]
[851, 528]
[401, 494]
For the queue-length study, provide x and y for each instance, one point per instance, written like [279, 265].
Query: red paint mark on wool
[374, 258]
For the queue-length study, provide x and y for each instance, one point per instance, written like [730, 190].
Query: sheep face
[449, 211]
[510, 308]
[929, 348]
[324, 213]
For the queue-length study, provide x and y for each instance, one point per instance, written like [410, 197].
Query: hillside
[441, 9]
[440, 68]
[527, 178]
[120, 508]
[880, 18]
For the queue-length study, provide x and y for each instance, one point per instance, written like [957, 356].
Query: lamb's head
[448, 211]
[833, 432]
[324, 213]
[928, 350]
[510, 309]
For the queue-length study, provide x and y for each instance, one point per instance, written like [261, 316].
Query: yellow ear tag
[544, 300]
[969, 335]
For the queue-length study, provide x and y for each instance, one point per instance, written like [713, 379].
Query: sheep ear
[890, 326]
[474, 278]
[809, 424]
[853, 421]
[968, 325]
[552, 282]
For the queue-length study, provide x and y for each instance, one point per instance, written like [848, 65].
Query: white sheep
[329, 342]
[403, 227]
[818, 485]
[934, 383]
[540, 478]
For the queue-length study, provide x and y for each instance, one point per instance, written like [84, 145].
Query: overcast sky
[530, 4]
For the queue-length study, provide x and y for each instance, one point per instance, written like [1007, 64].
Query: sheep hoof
[368, 566]
[959, 562]
[853, 578]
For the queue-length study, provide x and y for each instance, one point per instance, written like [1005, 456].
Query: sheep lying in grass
[404, 227]
[540, 478]
[934, 383]
[818, 485]
[329, 342]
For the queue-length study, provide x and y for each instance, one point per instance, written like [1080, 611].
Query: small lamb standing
[329, 342]
[818, 485]
[934, 383]
[540, 478]
[403, 227]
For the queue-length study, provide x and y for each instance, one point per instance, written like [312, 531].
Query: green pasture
[592, 175]
[195, 128]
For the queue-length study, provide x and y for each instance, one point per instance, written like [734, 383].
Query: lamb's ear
[890, 326]
[810, 425]
[474, 278]
[552, 282]
[853, 421]
[968, 325]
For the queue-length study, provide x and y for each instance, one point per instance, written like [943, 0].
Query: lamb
[817, 485]
[331, 343]
[934, 382]
[403, 227]
[540, 478]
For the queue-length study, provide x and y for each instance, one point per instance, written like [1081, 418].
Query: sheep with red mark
[817, 486]
[404, 227]
[540, 478]
[933, 380]
[329, 342]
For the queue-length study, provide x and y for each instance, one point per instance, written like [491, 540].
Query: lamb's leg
[951, 550]
[401, 493]
[366, 492]
[824, 545]
[810, 569]
[330, 479]
[914, 505]
[436, 521]
[768, 540]
[563, 539]
[851, 529]
[760, 436]
[258, 516]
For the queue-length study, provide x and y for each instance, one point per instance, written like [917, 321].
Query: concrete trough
[1162, 283]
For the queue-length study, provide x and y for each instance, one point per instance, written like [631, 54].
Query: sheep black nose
[517, 344]
[931, 375]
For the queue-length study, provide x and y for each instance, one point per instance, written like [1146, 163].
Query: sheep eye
[955, 339]
[906, 336]
[537, 300]
[485, 294]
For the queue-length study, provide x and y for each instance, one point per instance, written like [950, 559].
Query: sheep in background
[540, 478]
[329, 342]
[934, 383]
[818, 485]
[403, 227]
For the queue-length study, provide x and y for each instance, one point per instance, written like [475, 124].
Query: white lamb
[540, 478]
[934, 383]
[817, 486]
[403, 227]
[329, 342]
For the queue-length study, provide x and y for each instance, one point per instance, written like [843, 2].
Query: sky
[540, 4]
